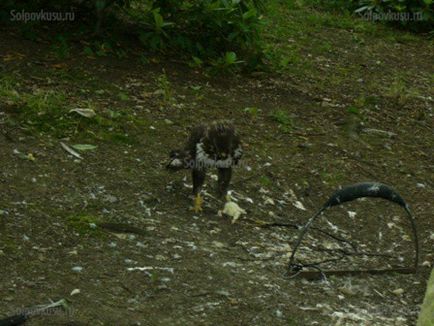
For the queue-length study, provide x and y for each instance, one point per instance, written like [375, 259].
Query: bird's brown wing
[220, 138]
[237, 149]
[196, 134]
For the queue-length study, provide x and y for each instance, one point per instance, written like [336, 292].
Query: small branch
[121, 228]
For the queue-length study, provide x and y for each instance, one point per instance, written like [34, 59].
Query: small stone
[351, 214]
[223, 293]
[77, 269]
[218, 244]
[347, 291]
[398, 292]
[160, 257]
[230, 264]
[269, 201]
[110, 198]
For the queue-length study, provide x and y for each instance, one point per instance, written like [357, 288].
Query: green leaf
[249, 14]
[158, 19]
[88, 51]
[123, 96]
[100, 4]
[230, 58]
[353, 110]
[84, 147]
[197, 61]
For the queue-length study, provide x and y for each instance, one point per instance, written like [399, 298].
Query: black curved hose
[352, 192]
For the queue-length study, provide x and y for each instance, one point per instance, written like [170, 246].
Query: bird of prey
[214, 145]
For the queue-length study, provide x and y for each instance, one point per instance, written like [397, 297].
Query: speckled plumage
[214, 145]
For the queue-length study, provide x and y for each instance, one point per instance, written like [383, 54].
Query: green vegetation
[426, 314]
[188, 26]
[61, 47]
[44, 111]
[416, 15]
[51, 112]
[84, 224]
[265, 181]
[171, 26]
[283, 119]
[237, 28]
[252, 112]
[341, 100]
[165, 89]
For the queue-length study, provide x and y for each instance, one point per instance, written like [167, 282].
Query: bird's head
[179, 160]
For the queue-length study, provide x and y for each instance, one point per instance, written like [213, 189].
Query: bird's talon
[198, 201]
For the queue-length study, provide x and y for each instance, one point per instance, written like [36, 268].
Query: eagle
[214, 145]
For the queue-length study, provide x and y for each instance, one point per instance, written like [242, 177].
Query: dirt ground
[200, 268]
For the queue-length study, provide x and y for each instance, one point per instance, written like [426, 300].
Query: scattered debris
[299, 205]
[87, 113]
[269, 201]
[351, 214]
[70, 150]
[84, 147]
[379, 132]
[151, 268]
[232, 210]
[398, 292]
[29, 156]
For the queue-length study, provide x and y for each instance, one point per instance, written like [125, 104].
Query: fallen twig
[121, 228]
